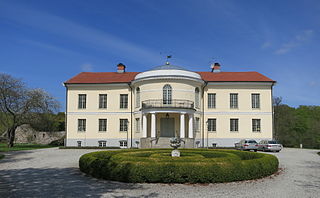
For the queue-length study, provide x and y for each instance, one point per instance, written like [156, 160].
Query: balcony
[159, 103]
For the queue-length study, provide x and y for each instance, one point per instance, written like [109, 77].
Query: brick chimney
[215, 68]
[121, 68]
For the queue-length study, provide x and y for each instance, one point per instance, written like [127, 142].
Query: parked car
[247, 145]
[269, 145]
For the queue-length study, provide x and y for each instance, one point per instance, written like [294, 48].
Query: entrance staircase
[164, 142]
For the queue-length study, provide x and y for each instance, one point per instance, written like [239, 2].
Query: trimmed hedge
[194, 165]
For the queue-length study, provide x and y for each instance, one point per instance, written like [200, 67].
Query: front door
[167, 127]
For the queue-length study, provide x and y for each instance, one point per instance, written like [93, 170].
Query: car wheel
[255, 150]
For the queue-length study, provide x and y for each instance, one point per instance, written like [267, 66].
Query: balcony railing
[159, 103]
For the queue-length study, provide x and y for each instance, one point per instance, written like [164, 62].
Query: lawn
[20, 147]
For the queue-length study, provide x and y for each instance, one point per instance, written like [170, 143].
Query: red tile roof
[114, 77]
[234, 77]
[102, 77]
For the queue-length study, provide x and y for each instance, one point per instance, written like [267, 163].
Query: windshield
[252, 141]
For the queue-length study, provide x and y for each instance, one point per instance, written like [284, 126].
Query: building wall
[92, 114]
[181, 89]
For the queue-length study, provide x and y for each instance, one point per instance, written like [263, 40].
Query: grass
[21, 147]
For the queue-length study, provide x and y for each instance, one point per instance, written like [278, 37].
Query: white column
[190, 125]
[144, 123]
[153, 125]
[182, 130]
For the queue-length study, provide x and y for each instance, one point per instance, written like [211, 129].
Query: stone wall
[26, 134]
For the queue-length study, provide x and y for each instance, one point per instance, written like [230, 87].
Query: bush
[59, 142]
[194, 165]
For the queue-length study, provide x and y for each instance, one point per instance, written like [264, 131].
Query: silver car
[247, 145]
[269, 145]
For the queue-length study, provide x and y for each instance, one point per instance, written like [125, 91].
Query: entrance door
[167, 127]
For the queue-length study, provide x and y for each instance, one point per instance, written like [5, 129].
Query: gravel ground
[55, 173]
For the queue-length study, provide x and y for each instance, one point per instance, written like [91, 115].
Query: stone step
[163, 142]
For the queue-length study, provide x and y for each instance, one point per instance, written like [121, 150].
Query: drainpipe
[203, 113]
[65, 115]
[273, 127]
[130, 117]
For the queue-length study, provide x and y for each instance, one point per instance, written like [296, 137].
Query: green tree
[21, 105]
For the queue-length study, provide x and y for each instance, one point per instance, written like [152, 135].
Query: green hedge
[194, 165]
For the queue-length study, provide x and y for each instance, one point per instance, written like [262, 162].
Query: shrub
[194, 165]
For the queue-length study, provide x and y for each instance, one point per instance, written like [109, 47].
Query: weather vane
[167, 62]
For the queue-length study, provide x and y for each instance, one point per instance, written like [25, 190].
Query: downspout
[203, 113]
[272, 105]
[130, 117]
[65, 115]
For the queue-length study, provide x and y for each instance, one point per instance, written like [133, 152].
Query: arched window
[167, 94]
[138, 97]
[196, 97]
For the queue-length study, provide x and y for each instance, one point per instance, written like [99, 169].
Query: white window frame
[167, 94]
[234, 101]
[255, 100]
[138, 128]
[102, 143]
[103, 125]
[103, 101]
[82, 125]
[123, 144]
[234, 124]
[197, 124]
[138, 97]
[197, 97]
[123, 127]
[82, 101]
[212, 124]
[256, 125]
[211, 100]
[123, 101]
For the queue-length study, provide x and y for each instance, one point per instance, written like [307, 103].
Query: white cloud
[91, 37]
[266, 44]
[297, 41]
[87, 67]
[50, 47]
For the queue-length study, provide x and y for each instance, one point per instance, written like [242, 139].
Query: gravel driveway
[55, 173]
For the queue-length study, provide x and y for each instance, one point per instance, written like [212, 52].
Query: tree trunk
[11, 136]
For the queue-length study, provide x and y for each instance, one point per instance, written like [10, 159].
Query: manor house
[146, 109]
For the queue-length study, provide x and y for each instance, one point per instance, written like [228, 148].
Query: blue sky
[47, 42]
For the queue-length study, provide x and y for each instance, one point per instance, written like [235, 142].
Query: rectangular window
[197, 124]
[255, 99]
[137, 125]
[212, 124]
[233, 100]
[211, 100]
[102, 143]
[234, 125]
[123, 125]
[79, 143]
[123, 101]
[82, 100]
[123, 144]
[102, 101]
[102, 124]
[82, 125]
[256, 125]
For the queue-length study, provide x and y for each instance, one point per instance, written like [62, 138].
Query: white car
[269, 145]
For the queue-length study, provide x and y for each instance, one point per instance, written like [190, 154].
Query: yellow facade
[183, 89]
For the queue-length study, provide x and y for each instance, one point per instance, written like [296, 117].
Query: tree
[20, 105]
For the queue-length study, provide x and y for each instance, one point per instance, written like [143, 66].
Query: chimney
[215, 68]
[121, 68]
